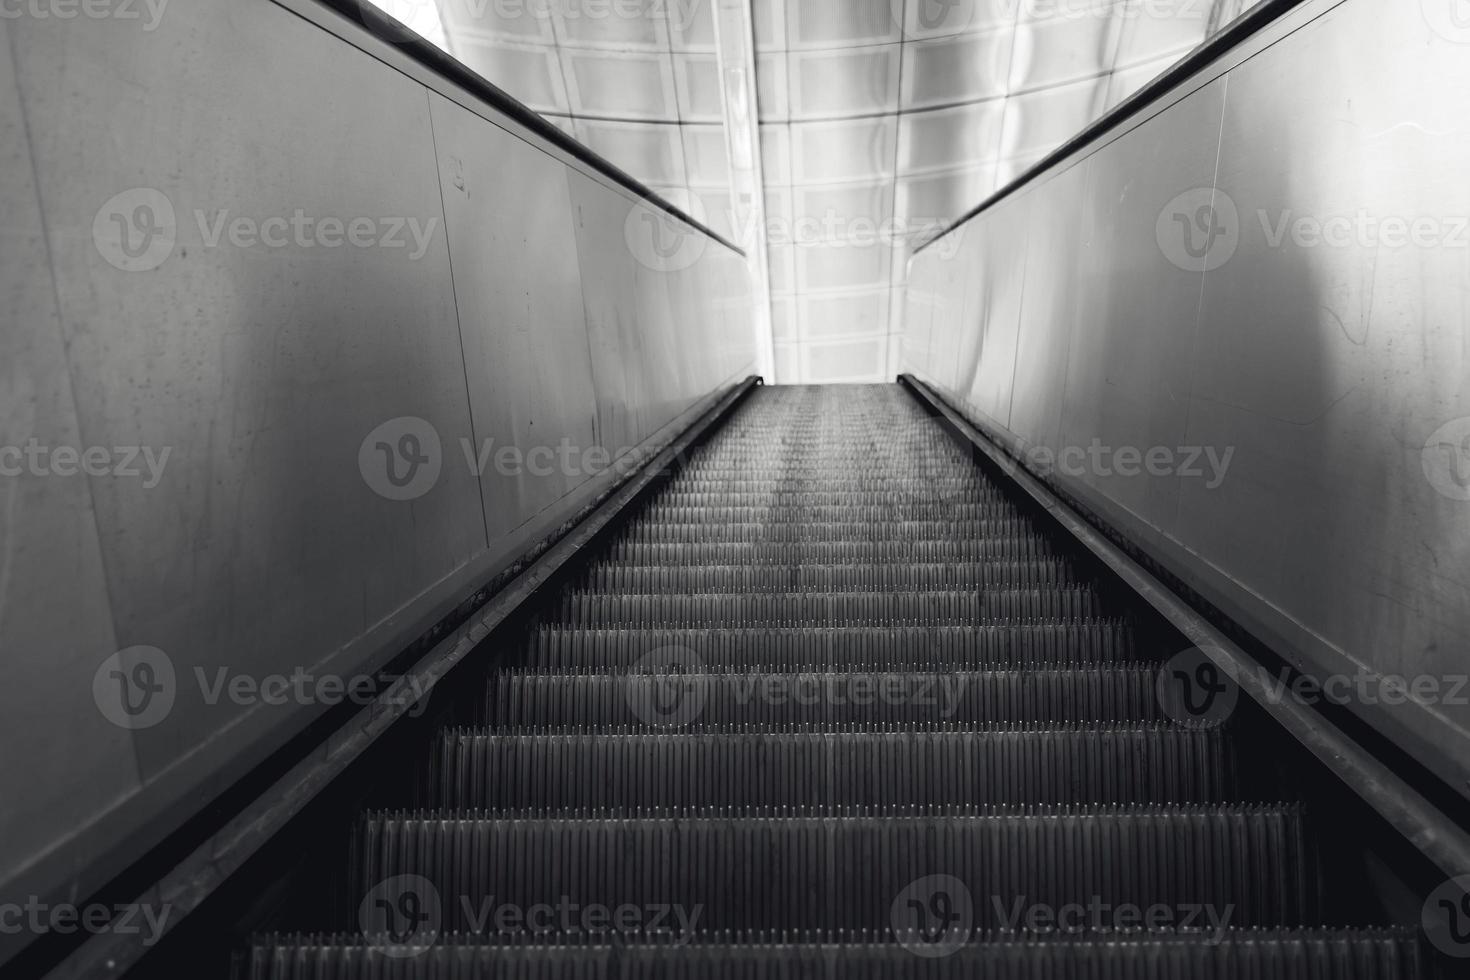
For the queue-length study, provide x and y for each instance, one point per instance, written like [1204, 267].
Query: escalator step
[594, 700]
[799, 648]
[653, 611]
[559, 772]
[1235, 955]
[792, 579]
[845, 871]
[1027, 547]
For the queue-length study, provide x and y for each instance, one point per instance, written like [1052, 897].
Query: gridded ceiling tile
[855, 315]
[521, 20]
[697, 78]
[783, 319]
[854, 150]
[1063, 49]
[530, 73]
[939, 198]
[954, 70]
[691, 24]
[842, 211]
[830, 84]
[622, 86]
[1158, 28]
[849, 361]
[772, 91]
[651, 152]
[925, 19]
[841, 267]
[1041, 121]
[948, 139]
[770, 25]
[706, 158]
[842, 23]
[776, 153]
[782, 261]
[613, 26]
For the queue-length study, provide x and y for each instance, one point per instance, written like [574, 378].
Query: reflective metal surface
[894, 117]
[64, 763]
[446, 285]
[881, 120]
[1297, 309]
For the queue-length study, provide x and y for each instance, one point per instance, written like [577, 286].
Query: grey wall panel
[1128, 378]
[1002, 266]
[1329, 363]
[614, 337]
[1053, 302]
[1333, 368]
[519, 289]
[259, 363]
[270, 367]
[63, 758]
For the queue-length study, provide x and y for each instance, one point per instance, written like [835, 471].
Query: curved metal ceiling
[880, 120]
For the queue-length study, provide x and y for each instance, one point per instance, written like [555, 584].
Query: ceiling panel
[652, 150]
[949, 139]
[956, 70]
[828, 84]
[842, 23]
[532, 72]
[852, 150]
[697, 79]
[626, 86]
[878, 118]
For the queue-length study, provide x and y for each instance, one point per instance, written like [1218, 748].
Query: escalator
[836, 703]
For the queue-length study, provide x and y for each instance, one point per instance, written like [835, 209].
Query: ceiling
[880, 120]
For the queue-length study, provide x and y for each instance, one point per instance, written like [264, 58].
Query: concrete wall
[280, 364]
[1272, 266]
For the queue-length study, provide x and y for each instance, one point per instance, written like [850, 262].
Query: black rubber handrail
[384, 27]
[1239, 30]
